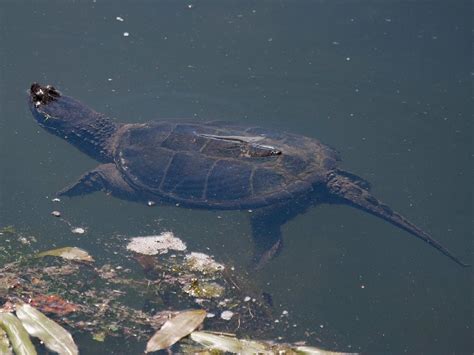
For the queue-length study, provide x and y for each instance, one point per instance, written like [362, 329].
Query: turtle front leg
[105, 177]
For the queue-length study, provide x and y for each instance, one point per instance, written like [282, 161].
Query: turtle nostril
[35, 87]
[43, 94]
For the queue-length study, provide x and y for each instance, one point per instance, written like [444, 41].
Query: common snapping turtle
[212, 165]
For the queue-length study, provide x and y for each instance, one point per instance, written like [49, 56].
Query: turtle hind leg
[104, 177]
[267, 239]
[266, 226]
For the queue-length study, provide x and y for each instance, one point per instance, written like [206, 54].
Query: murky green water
[388, 85]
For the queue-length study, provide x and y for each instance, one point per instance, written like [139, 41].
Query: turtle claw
[105, 177]
[261, 261]
[87, 183]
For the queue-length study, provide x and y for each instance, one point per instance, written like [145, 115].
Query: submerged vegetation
[166, 290]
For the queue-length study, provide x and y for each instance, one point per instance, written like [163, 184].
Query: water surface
[387, 84]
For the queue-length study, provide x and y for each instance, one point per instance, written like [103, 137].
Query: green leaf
[175, 328]
[17, 334]
[99, 336]
[69, 253]
[4, 343]
[54, 336]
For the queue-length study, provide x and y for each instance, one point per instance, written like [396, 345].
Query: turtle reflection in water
[212, 165]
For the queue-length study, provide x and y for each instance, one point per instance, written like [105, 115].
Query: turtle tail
[353, 191]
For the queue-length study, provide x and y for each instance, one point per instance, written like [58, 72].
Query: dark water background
[386, 83]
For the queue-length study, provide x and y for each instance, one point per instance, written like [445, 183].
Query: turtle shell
[220, 165]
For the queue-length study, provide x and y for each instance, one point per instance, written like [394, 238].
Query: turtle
[211, 165]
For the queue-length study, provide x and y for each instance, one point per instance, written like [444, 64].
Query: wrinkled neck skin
[93, 137]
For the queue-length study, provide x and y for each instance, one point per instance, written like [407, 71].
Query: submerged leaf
[69, 253]
[17, 334]
[204, 289]
[99, 336]
[310, 350]
[229, 343]
[4, 343]
[53, 304]
[175, 328]
[7, 230]
[52, 334]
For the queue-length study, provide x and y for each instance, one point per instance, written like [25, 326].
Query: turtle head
[70, 119]
[56, 112]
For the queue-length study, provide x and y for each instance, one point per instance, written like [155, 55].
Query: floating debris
[175, 328]
[56, 214]
[53, 304]
[99, 336]
[126, 34]
[56, 199]
[203, 263]
[78, 230]
[157, 244]
[204, 289]
[227, 315]
[69, 253]
[7, 230]
[118, 18]
[89, 298]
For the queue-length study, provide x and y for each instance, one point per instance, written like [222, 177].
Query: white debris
[202, 262]
[284, 313]
[56, 213]
[56, 200]
[210, 315]
[227, 315]
[126, 34]
[151, 203]
[24, 241]
[156, 244]
[118, 18]
[247, 298]
[78, 230]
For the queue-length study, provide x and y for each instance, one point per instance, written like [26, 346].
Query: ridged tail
[353, 190]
